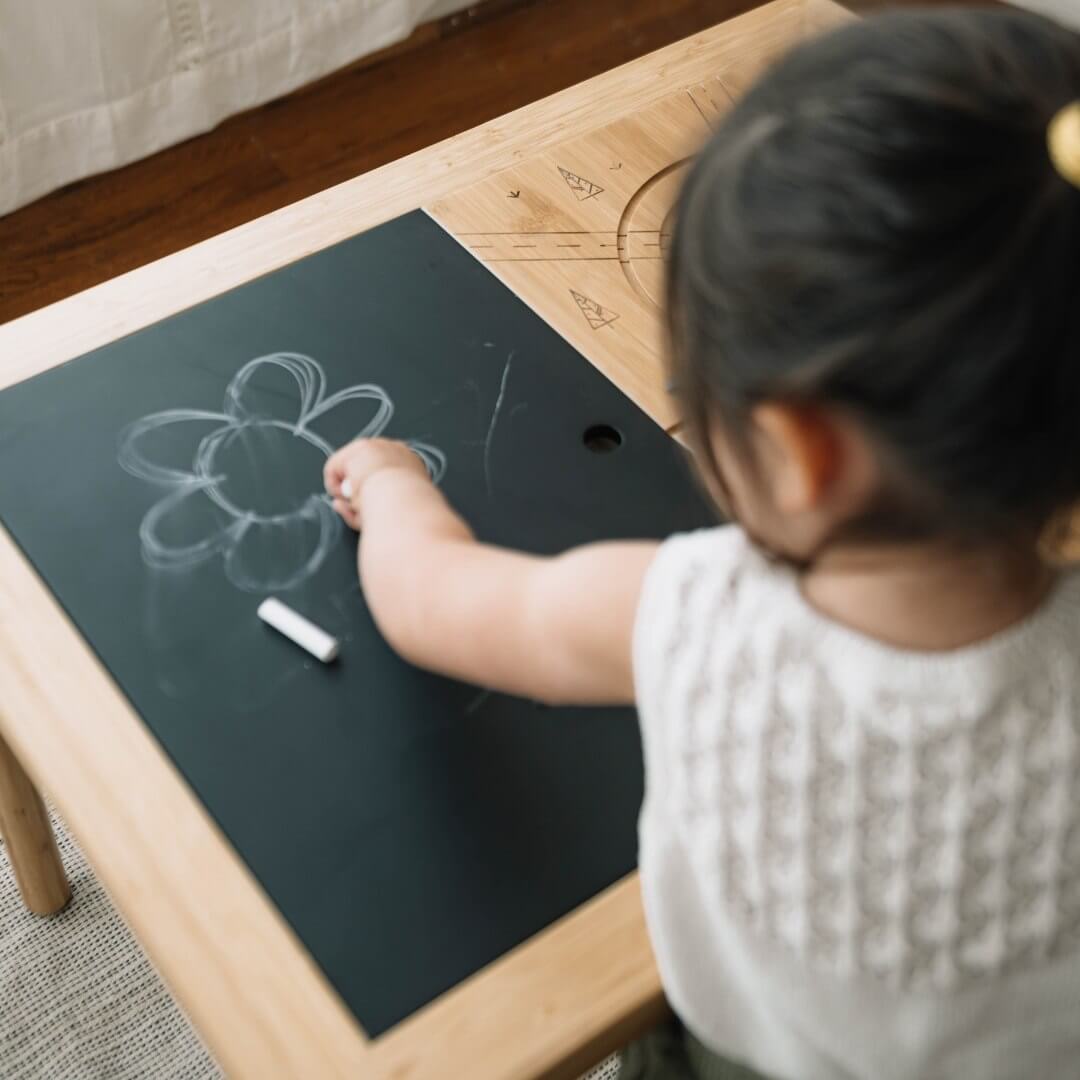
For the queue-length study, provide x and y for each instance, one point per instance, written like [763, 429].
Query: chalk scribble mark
[477, 702]
[264, 547]
[494, 420]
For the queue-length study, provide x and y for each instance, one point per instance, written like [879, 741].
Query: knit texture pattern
[913, 817]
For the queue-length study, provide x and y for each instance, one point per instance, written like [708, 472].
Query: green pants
[672, 1053]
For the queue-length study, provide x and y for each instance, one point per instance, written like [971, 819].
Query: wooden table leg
[31, 846]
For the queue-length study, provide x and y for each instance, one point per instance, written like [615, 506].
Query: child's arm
[553, 629]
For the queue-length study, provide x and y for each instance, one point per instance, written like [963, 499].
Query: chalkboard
[410, 829]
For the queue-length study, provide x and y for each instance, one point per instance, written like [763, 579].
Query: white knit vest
[858, 861]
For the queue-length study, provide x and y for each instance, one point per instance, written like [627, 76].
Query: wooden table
[551, 1007]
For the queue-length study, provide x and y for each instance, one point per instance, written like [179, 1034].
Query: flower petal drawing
[250, 486]
[348, 414]
[178, 531]
[142, 445]
[431, 456]
[242, 400]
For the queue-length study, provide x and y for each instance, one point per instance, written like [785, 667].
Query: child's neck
[930, 596]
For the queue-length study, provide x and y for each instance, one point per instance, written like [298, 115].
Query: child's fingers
[347, 469]
[347, 513]
[334, 473]
[351, 458]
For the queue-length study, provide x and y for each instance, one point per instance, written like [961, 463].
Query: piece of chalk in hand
[346, 488]
[296, 628]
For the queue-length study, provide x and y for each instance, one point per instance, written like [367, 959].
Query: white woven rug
[79, 1000]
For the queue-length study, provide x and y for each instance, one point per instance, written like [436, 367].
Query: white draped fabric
[87, 85]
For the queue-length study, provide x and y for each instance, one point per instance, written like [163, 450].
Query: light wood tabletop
[559, 1002]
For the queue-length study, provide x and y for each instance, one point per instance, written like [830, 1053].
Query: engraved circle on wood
[645, 232]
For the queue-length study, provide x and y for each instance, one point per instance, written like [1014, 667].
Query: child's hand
[350, 468]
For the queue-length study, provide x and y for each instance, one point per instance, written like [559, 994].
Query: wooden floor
[452, 77]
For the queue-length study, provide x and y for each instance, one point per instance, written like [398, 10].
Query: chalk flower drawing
[253, 493]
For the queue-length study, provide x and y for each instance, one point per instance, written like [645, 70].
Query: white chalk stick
[346, 488]
[296, 628]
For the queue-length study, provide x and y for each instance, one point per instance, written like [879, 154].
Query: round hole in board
[602, 438]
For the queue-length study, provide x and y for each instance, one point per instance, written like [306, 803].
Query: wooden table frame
[551, 1007]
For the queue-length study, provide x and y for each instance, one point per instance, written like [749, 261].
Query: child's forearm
[554, 629]
[410, 536]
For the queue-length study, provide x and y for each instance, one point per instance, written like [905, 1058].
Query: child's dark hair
[878, 228]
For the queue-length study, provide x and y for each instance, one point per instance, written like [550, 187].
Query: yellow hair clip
[1063, 138]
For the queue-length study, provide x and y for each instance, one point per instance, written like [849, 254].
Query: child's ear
[803, 450]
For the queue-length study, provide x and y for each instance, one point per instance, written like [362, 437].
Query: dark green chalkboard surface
[410, 829]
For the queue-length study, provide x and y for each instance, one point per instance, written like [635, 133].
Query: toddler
[860, 705]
